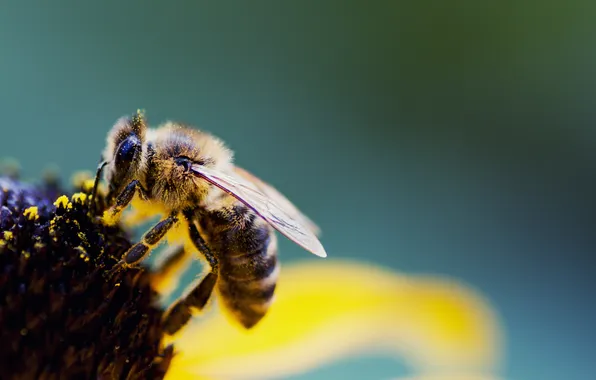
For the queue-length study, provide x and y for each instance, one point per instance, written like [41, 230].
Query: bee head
[173, 150]
[124, 151]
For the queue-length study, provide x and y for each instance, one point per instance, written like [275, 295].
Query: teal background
[430, 137]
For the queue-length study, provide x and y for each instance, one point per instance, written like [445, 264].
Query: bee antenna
[92, 201]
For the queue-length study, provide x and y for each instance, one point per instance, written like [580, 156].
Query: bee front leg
[199, 291]
[111, 215]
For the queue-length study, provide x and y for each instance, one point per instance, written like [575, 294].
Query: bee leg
[111, 215]
[199, 243]
[169, 269]
[150, 239]
[199, 291]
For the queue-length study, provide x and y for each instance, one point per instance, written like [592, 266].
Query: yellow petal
[329, 309]
[451, 376]
[167, 273]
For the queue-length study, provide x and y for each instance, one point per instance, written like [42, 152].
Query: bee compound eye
[127, 149]
[183, 161]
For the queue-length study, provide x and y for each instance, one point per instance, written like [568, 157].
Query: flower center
[61, 316]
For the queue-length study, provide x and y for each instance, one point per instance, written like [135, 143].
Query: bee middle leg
[200, 290]
[150, 239]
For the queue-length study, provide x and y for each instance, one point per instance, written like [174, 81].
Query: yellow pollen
[88, 185]
[62, 201]
[38, 245]
[79, 197]
[8, 235]
[31, 213]
[109, 219]
[83, 237]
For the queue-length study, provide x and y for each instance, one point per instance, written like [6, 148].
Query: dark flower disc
[61, 316]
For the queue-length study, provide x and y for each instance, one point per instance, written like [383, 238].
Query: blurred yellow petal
[172, 263]
[456, 376]
[330, 309]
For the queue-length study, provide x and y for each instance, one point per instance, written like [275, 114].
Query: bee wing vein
[274, 214]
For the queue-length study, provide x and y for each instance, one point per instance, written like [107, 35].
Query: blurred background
[431, 137]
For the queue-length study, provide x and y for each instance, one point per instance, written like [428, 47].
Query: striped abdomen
[248, 268]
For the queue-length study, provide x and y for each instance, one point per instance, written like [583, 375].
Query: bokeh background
[430, 137]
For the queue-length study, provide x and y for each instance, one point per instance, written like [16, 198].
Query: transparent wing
[278, 198]
[249, 194]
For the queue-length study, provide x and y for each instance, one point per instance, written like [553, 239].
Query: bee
[226, 214]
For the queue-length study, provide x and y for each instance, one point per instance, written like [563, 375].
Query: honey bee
[223, 211]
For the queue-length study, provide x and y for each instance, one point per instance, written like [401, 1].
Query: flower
[62, 317]
[59, 314]
[328, 310]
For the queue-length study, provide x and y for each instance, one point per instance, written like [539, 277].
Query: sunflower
[63, 317]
